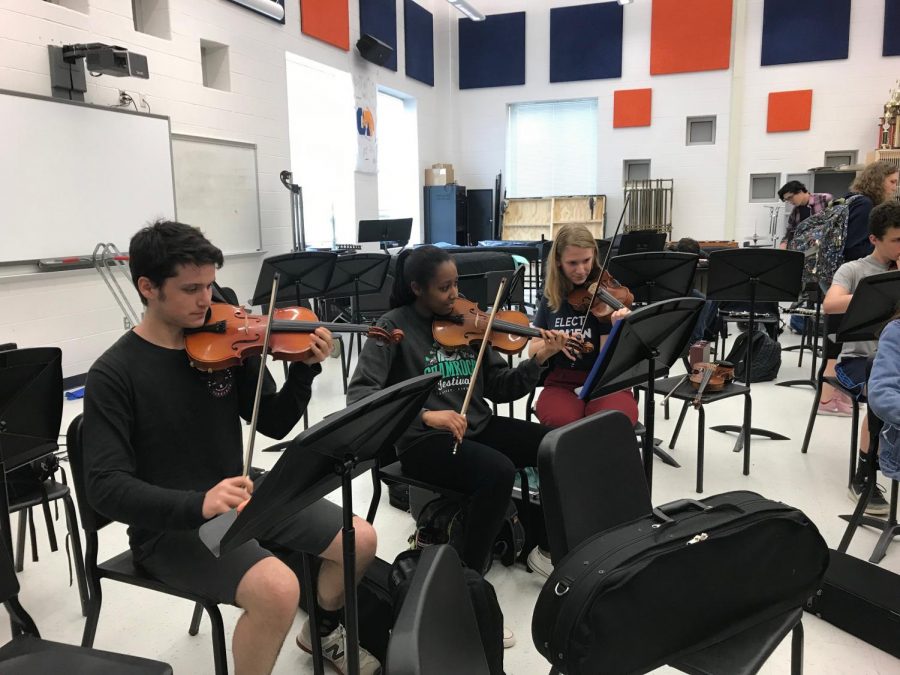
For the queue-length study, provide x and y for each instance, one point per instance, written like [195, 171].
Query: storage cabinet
[530, 219]
[445, 214]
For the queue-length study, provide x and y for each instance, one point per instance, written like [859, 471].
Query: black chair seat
[55, 490]
[685, 390]
[393, 473]
[743, 654]
[27, 655]
[123, 568]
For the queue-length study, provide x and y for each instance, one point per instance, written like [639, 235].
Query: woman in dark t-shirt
[572, 261]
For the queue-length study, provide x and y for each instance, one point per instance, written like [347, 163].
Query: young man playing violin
[163, 454]
[572, 264]
[491, 448]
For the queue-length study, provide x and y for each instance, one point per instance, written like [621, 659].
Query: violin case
[692, 574]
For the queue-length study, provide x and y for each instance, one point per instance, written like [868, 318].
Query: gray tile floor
[149, 624]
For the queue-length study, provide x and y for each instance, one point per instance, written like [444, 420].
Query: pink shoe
[836, 407]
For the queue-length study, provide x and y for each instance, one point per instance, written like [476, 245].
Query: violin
[509, 333]
[610, 296]
[231, 334]
[710, 377]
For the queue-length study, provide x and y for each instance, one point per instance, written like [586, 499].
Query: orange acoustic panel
[631, 108]
[690, 35]
[789, 110]
[326, 20]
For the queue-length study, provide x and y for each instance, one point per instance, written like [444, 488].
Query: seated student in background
[163, 454]
[572, 263]
[491, 447]
[884, 397]
[806, 204]
[877, 183]
[706, 322]
[884, 228]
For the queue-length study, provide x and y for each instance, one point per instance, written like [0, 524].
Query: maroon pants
[559, 405]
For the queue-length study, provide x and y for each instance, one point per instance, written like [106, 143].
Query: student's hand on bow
[448, 420]
[226, 495]
[618, 315]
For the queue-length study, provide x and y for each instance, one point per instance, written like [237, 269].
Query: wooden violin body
[710, 377]
[231, 334]
[610, 296]
[510, 333]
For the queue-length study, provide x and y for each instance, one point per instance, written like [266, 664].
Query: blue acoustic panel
[586, 42]
[418, 42]
[891, 28]
[797, 31]
[378, 18]
[492, 52]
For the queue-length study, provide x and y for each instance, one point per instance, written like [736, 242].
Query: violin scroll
[385, 337]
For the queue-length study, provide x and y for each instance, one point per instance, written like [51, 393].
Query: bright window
[398, 164]
[323, 149]
[551, 148]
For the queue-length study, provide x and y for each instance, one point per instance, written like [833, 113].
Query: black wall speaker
[374, 50]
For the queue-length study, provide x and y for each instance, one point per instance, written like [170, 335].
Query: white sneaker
[334, 648]
[509, 638]
[539, 562]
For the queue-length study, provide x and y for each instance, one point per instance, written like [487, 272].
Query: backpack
[766, 357]
[482, 594]
[821, 239]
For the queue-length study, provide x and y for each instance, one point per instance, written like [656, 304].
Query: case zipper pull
[698, 538]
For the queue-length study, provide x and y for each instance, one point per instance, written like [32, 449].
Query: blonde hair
[870, 181]
[556, 285]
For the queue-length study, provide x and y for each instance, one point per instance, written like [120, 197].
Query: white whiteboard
[216, 189]
[73, 175]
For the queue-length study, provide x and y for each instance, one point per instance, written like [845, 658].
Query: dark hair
[792, 186]
[417, 265]
[687, 245]
[883, 217]
[157, 250]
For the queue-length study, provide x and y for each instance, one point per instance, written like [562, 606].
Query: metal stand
[763, 275]
[298, 232]
[107, 259]
[813, 345]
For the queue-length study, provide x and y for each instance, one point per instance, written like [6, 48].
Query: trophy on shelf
[889, 132]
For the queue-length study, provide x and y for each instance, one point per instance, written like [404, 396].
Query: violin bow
[606, 259]
[248, 458]
[487, 336]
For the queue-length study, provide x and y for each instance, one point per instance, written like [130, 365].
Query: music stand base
[772, 435]
[663, 455]
[797, 383]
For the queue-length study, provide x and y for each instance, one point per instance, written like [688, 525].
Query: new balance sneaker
[539, 562]
[334, 648]
[509, 638]
[836, 407]
[877, 505]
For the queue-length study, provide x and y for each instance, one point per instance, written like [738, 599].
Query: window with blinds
[551, 148]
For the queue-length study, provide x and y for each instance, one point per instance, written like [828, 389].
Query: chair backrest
[832, 347]
[31, 402]
[436, 631]
[9, 584]
[592, 479]
[91, 521]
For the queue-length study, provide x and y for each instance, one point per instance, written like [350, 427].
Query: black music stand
[303, 274]
[640, 348]
[875, 302]
[814, 294]
[356, 275]
[385, 231]
[641, 241]
[313, 465]
[754, 275]
[655, 275]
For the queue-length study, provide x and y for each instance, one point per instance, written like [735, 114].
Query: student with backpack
[884, 235]
[805, 204]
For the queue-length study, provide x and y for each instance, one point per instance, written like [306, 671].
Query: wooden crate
[528, 219]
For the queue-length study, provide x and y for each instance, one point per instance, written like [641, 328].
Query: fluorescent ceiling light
[625, 2]
[467, 9]
[268, 7]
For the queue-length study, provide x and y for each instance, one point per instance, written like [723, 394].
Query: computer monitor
[642, 241]
[388, 229]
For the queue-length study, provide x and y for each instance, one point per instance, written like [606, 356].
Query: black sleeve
[502, 383]
[279, 411]
[857, 244]
[110, 464]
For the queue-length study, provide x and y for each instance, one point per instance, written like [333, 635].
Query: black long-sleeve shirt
[159, 433]
[381, 365]
[856, 243]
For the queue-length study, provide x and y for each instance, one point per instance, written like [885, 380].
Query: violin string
[605, 263]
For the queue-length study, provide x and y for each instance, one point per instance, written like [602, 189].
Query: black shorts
[181, 560]
[851, 373]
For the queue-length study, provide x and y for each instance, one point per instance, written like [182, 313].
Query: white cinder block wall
[848, 96]
[74, 310]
